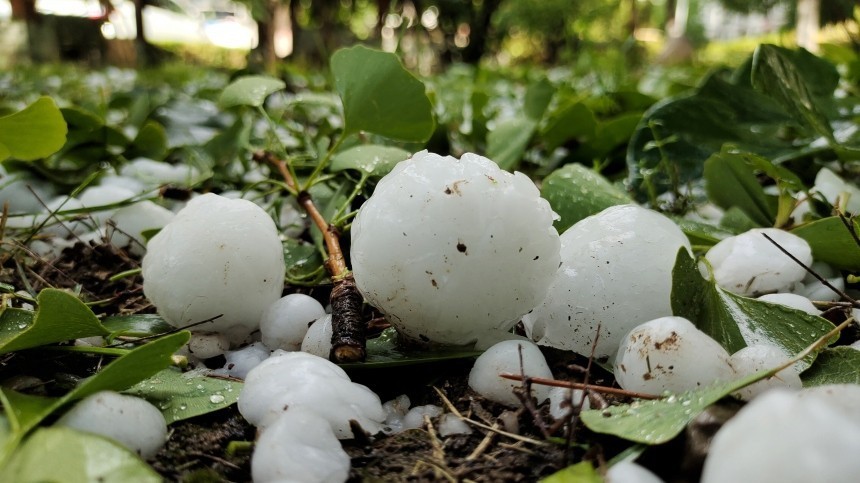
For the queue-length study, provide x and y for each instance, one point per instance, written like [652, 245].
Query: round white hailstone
[240, 362]
[449, 249]
[15, 190]
[123, 182]
[562, 400]
[299, 447]
[129, 420]
[748, 264]
[831, 186]
[216, 257]
[96, 196]
[285, 322]
[841, 397]
[811, 288]
[782, 438]
[790, 300]
[755, 358]
[670, 354]
[414, 419]
[317, 340]
[128, 224]
[291, 219]
[616, 272]
[630, 472]
[293, 379]
[450, 424]
[504, 357]
[204, 345]
[156, 173]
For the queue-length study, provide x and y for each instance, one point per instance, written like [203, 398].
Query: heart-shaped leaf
[36, 132]
[575, 192]
[250, 91]
[373, 159]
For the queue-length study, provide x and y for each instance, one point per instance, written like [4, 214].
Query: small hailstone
[812, 288]
[129, 420]
[831, 186]
[616, 273]
[128, 224]
[755, 358]
[204, 345]
[749, 264]
[217, 257]
[670, 354]
[415, 417]
[240, 362]
[299, 447]
[450, 424]
[317, 340]
[285, 322]
[449, 249]
[95, 341]
[123, 182]
[794, 301]
[156, 173]
[630, 472]
[782, 438]
[504, 357]
[65, 227]
[15, 189]
[292, 379]
[562, 401]
[395, 411]
[96, 196]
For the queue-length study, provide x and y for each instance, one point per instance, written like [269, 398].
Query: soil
[218, 446]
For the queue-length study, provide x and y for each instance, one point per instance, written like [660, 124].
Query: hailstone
[449, 249]
[216, 257]
[504, 357]
[748, 264]
[285, 322]
[758, 357]
[616, 273]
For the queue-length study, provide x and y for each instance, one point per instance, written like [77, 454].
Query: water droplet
[200, 387]
[216, 399]
[183, 407]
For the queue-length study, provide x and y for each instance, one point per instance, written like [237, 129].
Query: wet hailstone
[755, 358]
[285, 322]
[504, 357]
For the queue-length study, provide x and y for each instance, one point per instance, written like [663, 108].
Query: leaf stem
[324, 162]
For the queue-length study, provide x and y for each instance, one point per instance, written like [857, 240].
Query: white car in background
[218, 22]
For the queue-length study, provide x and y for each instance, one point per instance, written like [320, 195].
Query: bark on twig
[348, 330]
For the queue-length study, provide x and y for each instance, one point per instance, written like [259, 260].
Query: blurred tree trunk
[479, 26]
[269, 14]
[24, 10]
[142, 47]
[808, 22]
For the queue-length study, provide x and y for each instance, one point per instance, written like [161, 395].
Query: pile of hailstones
[457, 252]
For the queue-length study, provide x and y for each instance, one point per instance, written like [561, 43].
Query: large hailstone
[449, 249]
[783, 437]
[748, 264]
[670, 354]
[616, 272]
[216, 257]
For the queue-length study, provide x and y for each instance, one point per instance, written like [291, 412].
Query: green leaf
[538, 97]
[250, 91]
[660, 420]
[575, 192]
[136, 325]
[150, 142]
[507, 143]
[700, 233]
[302, 259]
[582, 472]
[831, 242]
[385, 352]
[837, 365]
[612, 133]
[735, 321]
[570, 122]
[36, 132]
[61, 316]
[775, 75]
[186, 395]
[64, 454]
[380, 96]
[730, 181]
[372, 159]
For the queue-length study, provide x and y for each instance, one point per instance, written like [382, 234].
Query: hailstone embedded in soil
[616, 273]
[563, 400]
[504, 357]
[217, 257]
[299, 447]
[449, 249]
[782, 437]
[748, 264]
[292, 379]
[670, 354]
[129, 420]
[285, 322]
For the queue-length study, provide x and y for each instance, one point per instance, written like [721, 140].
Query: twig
[454, 410]
[815, 274]
[349, 333]
[484, 444]
[850, 226]
[525, 397]
[577, 385]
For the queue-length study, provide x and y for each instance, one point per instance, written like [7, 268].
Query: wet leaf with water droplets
[839, 365]
[185, 395]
